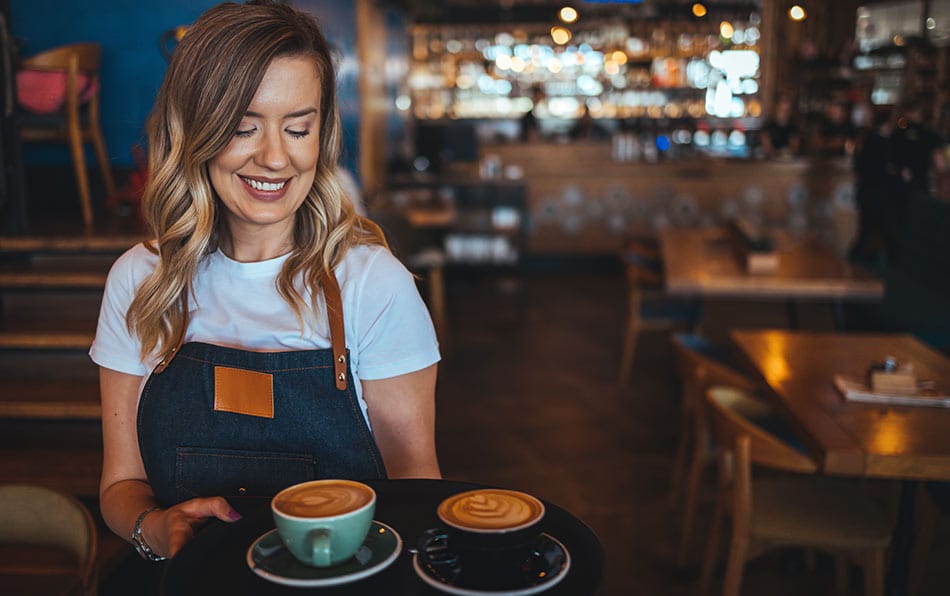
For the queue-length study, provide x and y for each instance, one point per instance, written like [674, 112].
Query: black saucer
[438, 567]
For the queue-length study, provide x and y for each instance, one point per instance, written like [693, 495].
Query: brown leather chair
[75, 119]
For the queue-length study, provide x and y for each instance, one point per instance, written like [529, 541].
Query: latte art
[490, 510]
[322, 498]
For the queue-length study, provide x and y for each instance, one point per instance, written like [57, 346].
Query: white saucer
[551, 564]
[268, 558]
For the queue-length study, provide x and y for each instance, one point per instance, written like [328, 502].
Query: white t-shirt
[387, 326]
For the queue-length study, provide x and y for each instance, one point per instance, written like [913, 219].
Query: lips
[265, 189]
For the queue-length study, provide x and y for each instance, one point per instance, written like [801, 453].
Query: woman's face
[265, 172]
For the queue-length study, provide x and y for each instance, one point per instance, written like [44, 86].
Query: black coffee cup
[489, 535]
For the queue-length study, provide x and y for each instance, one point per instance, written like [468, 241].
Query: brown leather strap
[167, 359]
[331, 291]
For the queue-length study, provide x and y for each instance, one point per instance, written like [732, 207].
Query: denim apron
[192, 447]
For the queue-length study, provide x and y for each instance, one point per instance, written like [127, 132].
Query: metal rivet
[242, 491]
[341, 359]
[342, 377]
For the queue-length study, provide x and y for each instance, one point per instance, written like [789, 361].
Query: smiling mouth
[264, 186]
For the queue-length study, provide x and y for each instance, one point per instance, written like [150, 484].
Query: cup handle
[433, 548]
[320, 545]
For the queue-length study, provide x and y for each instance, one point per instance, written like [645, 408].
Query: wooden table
[858, 439]
[701, 263]
[851, 438]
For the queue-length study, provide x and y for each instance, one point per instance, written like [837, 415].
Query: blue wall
[129, 32]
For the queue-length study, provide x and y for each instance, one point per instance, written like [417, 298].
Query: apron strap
[167, 359]
[331, 291]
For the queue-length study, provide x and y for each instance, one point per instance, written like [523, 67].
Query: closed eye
[298, 134]
[244, 133]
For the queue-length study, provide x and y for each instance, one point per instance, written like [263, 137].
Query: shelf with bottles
[682, 141]
[499, 220]
[480, 249]
[609, 67]
[491, 224]
[487, 226]
[914, 69]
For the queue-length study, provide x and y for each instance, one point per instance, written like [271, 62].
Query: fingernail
[234, 515]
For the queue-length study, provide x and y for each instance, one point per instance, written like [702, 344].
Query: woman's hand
[167, 530]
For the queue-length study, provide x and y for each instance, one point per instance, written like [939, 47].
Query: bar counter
[582, 201]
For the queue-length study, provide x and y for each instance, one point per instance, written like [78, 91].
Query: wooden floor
[527, 398]
[532, 403]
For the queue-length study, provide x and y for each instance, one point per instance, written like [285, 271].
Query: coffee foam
[322, 498]
[490, 510]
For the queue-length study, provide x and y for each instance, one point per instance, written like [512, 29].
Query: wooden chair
[931, 520]
[800, 508]
[431, 261]
[701, 364]
[426, 261]
[647, 307]
[48, 541]
[78, 118]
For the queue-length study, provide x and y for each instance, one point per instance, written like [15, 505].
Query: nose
[271, 153]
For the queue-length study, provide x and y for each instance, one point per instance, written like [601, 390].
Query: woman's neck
[251, 246]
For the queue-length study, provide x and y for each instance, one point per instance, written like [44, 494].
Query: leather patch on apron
[243, 392]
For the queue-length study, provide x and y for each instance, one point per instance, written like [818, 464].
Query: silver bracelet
[138, 541]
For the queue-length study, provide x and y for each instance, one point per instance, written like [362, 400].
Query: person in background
[781, 137]
[530, 127]
[919, 151]
[265, 335]
[834, 135]
[876, 184]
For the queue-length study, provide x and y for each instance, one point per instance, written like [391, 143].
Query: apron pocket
[206, 472]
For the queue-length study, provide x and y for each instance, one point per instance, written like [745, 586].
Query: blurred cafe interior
[688, 263]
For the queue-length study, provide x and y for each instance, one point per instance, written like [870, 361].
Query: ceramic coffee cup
[492, 532]
[324, 522]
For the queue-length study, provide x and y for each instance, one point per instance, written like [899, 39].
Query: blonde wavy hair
[210, 83]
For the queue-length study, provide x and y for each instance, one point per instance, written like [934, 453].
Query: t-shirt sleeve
[114, 347]
[394, 332]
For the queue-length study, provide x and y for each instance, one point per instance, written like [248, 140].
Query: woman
[263, 333]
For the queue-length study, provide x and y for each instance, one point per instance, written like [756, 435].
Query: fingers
[222, 510]
[210, 507]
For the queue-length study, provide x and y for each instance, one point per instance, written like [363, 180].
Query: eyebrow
[297, 114]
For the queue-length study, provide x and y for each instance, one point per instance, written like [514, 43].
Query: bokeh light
[567, 14]
[797, 13]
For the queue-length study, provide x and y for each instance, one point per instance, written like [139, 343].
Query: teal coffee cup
[324, 522]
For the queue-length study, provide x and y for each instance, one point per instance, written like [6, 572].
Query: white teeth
[266, 186]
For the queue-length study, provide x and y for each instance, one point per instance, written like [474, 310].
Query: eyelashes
[297, 134]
